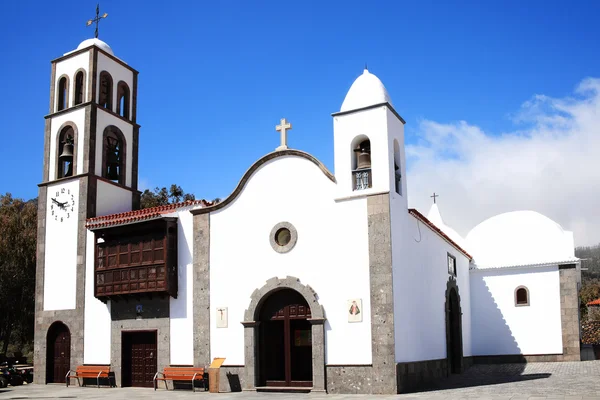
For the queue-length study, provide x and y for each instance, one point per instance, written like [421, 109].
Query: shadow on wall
[490, 334]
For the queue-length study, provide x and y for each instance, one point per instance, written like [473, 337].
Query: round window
[283, 236]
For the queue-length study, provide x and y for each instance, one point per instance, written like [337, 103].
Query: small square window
[451, 265]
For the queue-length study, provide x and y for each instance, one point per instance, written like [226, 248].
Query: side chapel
[344, 289]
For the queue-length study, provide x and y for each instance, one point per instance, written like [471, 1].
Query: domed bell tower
[90, 169]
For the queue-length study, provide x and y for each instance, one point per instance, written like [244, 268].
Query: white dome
[519, 238]
[96, 42]
[366, 90]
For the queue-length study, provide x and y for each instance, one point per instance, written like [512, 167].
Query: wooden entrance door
[58, 355]
[285, 341]
[139, 362]
[454, 334]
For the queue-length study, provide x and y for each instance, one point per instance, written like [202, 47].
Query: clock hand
[56, 201]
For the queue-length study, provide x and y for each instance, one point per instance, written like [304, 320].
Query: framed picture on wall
[354, 310]
[221, 317]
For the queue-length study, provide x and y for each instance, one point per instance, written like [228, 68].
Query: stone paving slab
[564, 381]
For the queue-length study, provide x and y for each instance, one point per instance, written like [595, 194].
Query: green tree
[18, 234]
[164, 196]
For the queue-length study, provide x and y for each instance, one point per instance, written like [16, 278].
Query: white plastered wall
[500, 327]
[331, 255]
[105, 119]
[420, 282]
[181, 308]
[112, 199]
[69, 67]
[97, 325]
[77, 117]
[60, 264]
[118, 73]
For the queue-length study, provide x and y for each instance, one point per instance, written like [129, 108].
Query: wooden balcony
[137, 259]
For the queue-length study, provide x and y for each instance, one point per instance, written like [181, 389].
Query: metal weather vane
[97, 19]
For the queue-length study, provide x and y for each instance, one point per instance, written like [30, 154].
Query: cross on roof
[434, 196]
[97, 19]
[283, 128]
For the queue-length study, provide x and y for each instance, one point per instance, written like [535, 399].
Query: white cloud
[550, 165]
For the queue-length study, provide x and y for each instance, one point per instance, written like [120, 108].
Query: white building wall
[112, 199]
[97, 320]
[77, 117]
[105, 119]
[60, 269]
[181, 308]
[499, 327]
[118, 73]
[420, 282]
[331, 255]
[68, 67]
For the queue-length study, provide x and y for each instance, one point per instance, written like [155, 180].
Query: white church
[343, 289]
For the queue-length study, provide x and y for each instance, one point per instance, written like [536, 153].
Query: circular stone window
[283, 237]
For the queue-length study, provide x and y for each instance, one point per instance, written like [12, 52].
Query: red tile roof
[594, 303]
[140, 215]
[437, 230]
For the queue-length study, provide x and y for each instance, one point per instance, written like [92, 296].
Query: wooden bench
[181, 374]
[89, 371]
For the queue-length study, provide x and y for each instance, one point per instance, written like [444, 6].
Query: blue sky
[216, 77]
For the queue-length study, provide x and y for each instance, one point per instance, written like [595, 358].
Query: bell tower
[90, 169]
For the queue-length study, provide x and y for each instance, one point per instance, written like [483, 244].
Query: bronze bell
[112, 165]
[67, 152]
[363, 152]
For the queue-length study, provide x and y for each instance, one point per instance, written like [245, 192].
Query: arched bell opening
[113, 155]
[285, 341]
[361, 163]
[58, 353]
[66, 151]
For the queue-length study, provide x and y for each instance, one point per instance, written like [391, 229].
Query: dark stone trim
[569, 313]
[134, 98]
[112, 129]
[201, 291]
[383, 349]
[47, 138]
[256, 166]
[418, 375]
[135, 139]
[95, 105]
[337, 114]
[93, 76]
[52, 87]
[85, 82]
[57, 147]
[89, 144]
[100, 178]
[451, 284]
[251, 332]
[68, 178]
[567, 266]
[98, 49]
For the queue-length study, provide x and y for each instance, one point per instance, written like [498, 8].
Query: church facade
[345, 290]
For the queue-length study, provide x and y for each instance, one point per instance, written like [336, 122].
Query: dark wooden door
[139, 358]
[58, 356]
[285, 342]
[455, 334]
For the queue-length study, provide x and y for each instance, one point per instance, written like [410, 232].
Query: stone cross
[434, 196]
[283, 128]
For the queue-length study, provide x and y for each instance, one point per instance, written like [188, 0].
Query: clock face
[63, 204]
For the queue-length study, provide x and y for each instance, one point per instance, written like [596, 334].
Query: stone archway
[58, 353]
[251, 322]
[454, 344]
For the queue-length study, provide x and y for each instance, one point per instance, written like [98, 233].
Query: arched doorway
[58, 353]
[454, 331]
[285, 341]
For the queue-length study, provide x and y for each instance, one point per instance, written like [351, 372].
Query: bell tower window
[63, 93]
[397, 168]
[66, 142]
[361, 164]
[79, 79]
[123, 100]
[106, 86]
[113, 165]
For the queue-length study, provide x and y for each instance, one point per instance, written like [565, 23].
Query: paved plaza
[567, 380]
